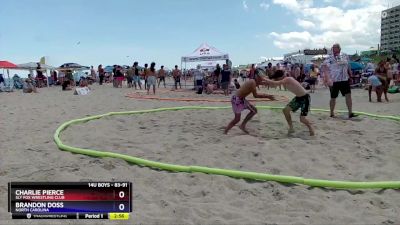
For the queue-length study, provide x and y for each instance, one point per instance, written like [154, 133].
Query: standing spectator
[114, 75]
[101, 74]
[252, 72]
[268, 70]
[54, 75]
[145, 70]
[302, 74]
[382, 74]
[129, 76]
[313, 77]
[70, 77]
[176, 73]
[61, 77]
[338, 74]
[39, 76]
[198, 78]
[136, 76]
[297, 72]
[217, 73]
[242, 75]
[118, 77]
[93, 74]
[225, 79]
[151, 78]
[161, 76]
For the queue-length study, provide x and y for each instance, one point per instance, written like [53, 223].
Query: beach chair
[17, 82]
[356, 79]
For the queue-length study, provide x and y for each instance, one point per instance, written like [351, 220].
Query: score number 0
[121, 206]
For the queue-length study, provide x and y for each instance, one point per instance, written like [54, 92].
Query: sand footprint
[379, 203]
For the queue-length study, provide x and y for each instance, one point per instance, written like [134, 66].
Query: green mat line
[217, 171]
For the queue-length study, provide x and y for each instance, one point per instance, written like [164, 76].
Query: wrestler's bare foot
[290, 131]
[312, 133]
[244, 129]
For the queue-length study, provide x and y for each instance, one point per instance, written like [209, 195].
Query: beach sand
[363, 149]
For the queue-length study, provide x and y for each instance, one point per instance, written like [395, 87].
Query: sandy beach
[363, 149]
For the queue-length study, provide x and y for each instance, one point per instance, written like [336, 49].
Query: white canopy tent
[204, 52]
[31, 66]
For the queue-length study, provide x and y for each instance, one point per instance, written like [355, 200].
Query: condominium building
[390, 29]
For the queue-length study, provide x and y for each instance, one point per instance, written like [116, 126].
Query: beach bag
[394, 89]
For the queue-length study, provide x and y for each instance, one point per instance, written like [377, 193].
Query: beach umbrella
[108, 69]
[73, 66]
[356, 66]
[7, 65]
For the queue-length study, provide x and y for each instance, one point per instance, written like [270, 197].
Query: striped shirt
[338, 67]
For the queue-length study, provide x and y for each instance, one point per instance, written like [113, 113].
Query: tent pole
[9, 81]
[185, 75]
[182, 72]
[47, 77]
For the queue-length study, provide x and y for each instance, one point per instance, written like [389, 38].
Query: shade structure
[33, 66]
[205, 52]
[72, 66]
[108, 69]
[356, 66]
[7, 65]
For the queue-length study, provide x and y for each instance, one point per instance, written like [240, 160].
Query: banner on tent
[204, 58]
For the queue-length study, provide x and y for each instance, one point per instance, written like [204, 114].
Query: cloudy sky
[93, 32]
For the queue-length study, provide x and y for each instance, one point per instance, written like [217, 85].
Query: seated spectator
[28, 86]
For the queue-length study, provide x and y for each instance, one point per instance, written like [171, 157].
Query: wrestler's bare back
[247, 88]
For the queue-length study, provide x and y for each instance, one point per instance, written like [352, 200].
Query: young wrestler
[302, 100]
[239, 102]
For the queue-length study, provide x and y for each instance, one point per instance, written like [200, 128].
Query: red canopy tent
[7, 65]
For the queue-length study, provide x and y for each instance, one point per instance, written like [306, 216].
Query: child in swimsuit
[301, 101]
[375, 84]
[239, 103]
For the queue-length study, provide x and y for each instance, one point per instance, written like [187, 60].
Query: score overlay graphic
[70, 200]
